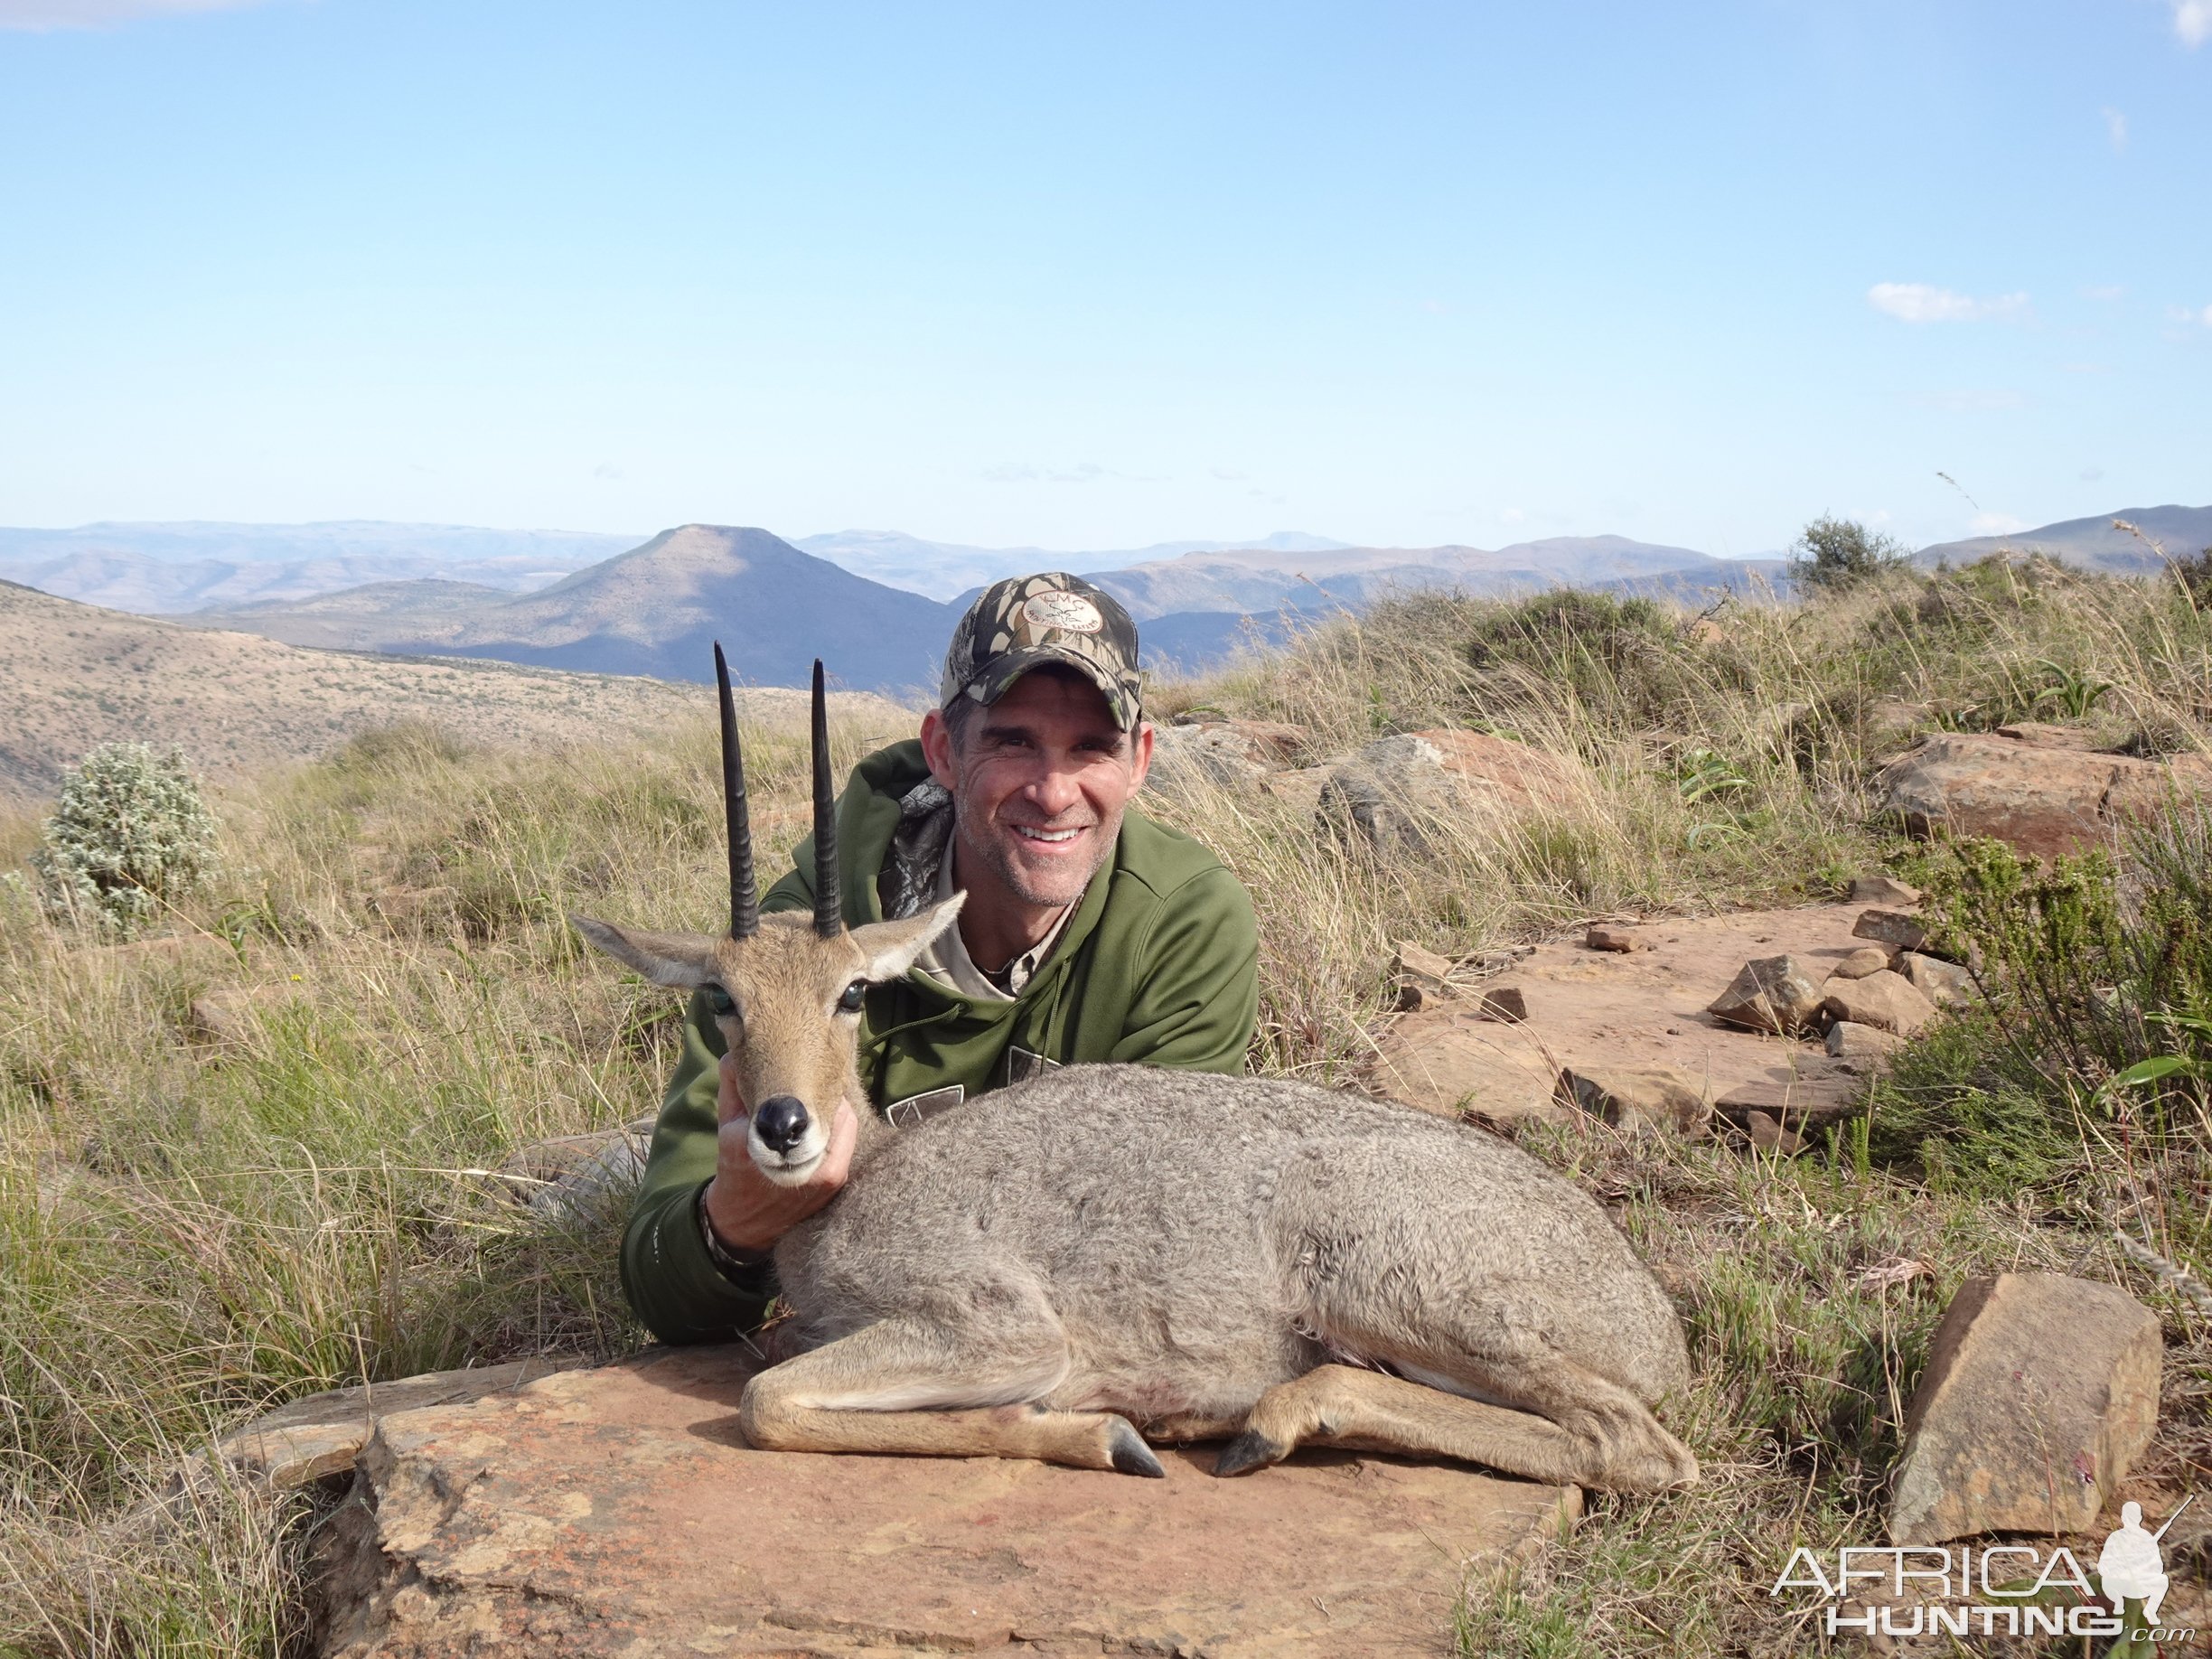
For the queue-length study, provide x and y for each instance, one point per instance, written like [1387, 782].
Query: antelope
[1106, 1258]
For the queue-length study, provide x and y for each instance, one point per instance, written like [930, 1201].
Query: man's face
[1039, 781]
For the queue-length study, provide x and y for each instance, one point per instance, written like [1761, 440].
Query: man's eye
[855, 995]
[718, 1002]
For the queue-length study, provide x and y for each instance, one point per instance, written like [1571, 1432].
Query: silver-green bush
[130, 835]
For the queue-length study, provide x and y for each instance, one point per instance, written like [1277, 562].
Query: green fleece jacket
[1158, 965]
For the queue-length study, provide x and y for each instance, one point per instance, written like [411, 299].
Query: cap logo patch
[1069, 613]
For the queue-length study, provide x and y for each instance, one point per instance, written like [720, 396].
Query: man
[1090, 934]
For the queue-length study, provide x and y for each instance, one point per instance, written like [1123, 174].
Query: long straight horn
[828, 908]
[744, 896]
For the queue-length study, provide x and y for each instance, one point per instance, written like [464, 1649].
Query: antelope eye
[854, 994]
[718, 1002]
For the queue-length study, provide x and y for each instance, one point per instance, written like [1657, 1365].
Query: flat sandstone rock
[1602, 1008]
[618, 1512]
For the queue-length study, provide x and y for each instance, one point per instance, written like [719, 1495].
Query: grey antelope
[1109, 1254]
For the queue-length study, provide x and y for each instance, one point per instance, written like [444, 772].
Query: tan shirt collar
[948, 962]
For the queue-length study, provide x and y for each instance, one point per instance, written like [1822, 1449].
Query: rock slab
[1640, 1099]
[2040, 1393]
[2045, 800]
[617, 1512]
[1579, 1008]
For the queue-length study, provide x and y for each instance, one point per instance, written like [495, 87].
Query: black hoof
[1131, 1455]
[1248, 1451]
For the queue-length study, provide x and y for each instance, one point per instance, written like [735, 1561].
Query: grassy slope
[194, 1231]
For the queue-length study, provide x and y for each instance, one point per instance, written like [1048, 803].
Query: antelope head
[786, 991]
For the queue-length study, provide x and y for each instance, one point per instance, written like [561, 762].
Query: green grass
[193, 1230]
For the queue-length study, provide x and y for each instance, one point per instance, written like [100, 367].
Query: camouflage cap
[1026, 621]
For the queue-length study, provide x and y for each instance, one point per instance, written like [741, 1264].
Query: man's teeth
[1046, 835]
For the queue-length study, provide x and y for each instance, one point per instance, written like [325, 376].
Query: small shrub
[130, 835]
[1839, 553]
[2091, 966]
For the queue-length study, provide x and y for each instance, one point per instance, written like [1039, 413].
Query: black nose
[781, 1122]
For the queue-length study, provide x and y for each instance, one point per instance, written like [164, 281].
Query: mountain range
[2095, 544]
[942, 569]
[653, 609]
[166, 569]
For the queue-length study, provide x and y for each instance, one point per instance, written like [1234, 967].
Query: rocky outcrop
[1221, 752]
[2043, 799]
[1640, 1099]
[1582, 1009]
[321, 1435]
[2040, 1393]
[619, 1512]
[1404, 791]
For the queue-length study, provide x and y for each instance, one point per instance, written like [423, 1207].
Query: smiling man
[1089, 933]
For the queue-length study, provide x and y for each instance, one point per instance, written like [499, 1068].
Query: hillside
[79, 676]
[2095, 543]
[654, 610]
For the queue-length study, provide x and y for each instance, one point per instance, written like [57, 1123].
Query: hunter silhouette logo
[2131, 1567]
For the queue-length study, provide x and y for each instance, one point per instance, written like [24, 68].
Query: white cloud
[42, 14]
[2105, 291]
[1919, 302]
[2116, 129]
[2090, 474]
[2193, 21]
[1998, 524]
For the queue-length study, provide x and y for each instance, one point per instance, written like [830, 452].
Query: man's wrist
[746, 1270]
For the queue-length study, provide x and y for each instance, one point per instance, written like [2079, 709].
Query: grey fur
[1170, 1245]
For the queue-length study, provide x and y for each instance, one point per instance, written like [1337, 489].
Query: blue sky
[1095, 277]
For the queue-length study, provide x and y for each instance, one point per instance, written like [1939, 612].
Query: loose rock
[1942, 983]
[2040, 1393]
[1614, 936]
[1849, 1040]
[1769, 1135]
[1770, 993]
[1886, 1001]
[1884, 890]
[1893, 928]
[1868, 959]
[1504, 1002]
[1640, 1099]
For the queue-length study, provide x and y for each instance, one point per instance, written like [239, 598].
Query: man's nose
[1053, 791]
[781, 1122]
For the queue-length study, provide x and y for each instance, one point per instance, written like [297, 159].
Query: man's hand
[747, 1210]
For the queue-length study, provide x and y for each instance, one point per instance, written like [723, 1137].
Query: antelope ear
[891, 947]
[683, 961]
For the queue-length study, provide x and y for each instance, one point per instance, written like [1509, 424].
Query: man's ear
[937, 748]
[683, 961]
[891, 947]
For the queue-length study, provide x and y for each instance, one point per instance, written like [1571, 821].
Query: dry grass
[194, 1230]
